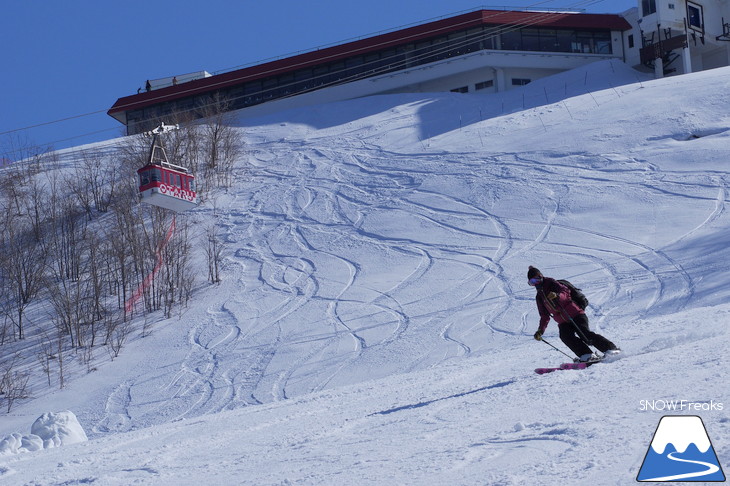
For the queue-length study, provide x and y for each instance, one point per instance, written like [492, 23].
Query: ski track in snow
[290, 257]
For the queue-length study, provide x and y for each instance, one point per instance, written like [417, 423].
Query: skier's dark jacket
[560, 310]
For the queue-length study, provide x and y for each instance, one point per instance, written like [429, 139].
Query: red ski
[576, 366]
[542, 371]
[608, 356]
[565, 366]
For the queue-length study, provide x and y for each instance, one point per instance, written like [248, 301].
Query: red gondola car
[164, 184]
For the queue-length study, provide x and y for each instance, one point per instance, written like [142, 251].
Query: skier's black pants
[572, 338]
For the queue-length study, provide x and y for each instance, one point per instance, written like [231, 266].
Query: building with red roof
[479, 51]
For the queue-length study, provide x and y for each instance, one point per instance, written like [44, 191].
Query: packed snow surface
[374, 323]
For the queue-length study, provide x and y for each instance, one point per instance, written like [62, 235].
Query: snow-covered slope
[374, 324]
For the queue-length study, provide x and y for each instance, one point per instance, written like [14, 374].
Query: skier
[553, 299]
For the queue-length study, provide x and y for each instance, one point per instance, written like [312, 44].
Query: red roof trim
[382, 41]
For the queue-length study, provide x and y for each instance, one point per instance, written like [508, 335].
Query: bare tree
[214, 252]
[65, 239]
[78, 302]
[33, 207]
[221, 142]
[83, 196]
[121, 256]
[22, 270]
[5, 324]
[96, 275]
[13, 383]
[118, 336]
[96, 180]
[13, 187]
[60, 360]
[45, 354]
[30, 157]
[176, 276]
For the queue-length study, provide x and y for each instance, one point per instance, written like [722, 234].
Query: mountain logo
[681, 451]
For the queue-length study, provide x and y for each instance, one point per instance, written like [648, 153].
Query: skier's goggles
[534, 281]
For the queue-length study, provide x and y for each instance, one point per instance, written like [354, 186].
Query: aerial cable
[52, 122]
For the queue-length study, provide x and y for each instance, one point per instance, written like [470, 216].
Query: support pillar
[658, 68]
[499, 80]
[686, 60]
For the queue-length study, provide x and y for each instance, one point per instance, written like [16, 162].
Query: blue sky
[71, 60]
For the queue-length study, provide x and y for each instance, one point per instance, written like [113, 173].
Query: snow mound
[48, 431]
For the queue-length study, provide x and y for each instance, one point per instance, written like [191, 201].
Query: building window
[512, 40]
[602, 46]
[694, 16]
[648, 7]
[463, 89]
[520, 81]
[484, 85]
[530, 40]
[549, 40]
[631, 41]
[583, 42]
[564, 39]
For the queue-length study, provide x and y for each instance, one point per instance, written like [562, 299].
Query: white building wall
[704, 51]
[631, 52]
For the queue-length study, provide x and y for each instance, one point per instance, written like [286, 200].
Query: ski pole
[577, 329]
[556, 349]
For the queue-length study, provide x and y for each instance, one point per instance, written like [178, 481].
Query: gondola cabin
[167, 188]
[166, 185]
